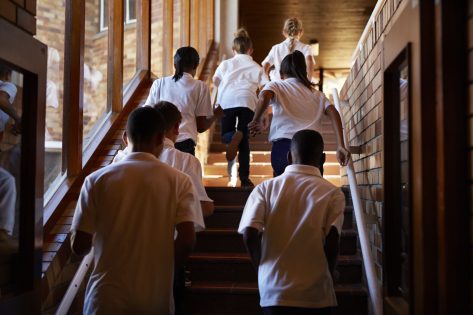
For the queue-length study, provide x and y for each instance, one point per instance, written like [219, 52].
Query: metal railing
[75, 284]
[368, 261]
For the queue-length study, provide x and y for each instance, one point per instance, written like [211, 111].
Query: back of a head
[5, 72]
[242, 42]
[143, 124]
[170, 113]
[294, 66]
[293, 30]
[308, 145]
[185, 59]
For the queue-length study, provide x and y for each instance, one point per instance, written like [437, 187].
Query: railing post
[368, 262]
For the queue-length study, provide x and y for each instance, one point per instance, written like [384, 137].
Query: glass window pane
[176, 40]
[157, 37]
[95, 72]
[103, 14]
[132, 9]
[129, 47]
[50, 30]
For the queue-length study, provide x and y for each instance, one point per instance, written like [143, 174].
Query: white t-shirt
[133, 208]
[7, 201]
[294, 212]
[281, 50]
[240, 77]
[11, 90]
[295, 107]
[191, 97]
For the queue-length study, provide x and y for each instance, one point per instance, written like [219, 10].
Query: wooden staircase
[223, 278]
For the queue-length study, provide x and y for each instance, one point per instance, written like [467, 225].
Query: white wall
[226, 24]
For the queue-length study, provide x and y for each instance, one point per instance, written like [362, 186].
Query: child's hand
[255, 127]
[218, 112]
[343, 155]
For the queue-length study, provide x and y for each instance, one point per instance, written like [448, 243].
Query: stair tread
[252, 287]
[244, 257]
[226, 230]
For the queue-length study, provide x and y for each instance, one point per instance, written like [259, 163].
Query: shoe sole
[232, 148]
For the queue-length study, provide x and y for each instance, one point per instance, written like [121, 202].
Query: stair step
[260, 169]
[238, 267]
[259, 156]
[226, 240]
[228, 195]
[230, 216]
[218, 181]
[254, 146]
[234, 298]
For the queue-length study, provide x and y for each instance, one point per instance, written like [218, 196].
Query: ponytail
[292, 43]
[294, 66]
[185, 59]
[293, 30]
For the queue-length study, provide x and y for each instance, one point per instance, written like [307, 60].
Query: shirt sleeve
[85, 213]
[334, 216]
[219, 72]
[306, 50]
[204, 105]
[153, 96]
[188, 208]
[270, 57]
[194, 170]
[273, 87]
[10, 89]
[255, 211]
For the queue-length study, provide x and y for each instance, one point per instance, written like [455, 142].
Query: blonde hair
[292, 29]
[242, 42]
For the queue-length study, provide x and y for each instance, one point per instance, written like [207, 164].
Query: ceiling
[336, 24]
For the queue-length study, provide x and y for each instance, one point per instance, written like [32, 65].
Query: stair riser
[229, 219]
[212, 270]
[248, 304]
[228, 197]
[212, 243]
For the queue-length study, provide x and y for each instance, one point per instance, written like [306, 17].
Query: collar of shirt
[168, 143]
[288, 40]
[304, 169]
[141, 156]
[243, 56]
[187, 75]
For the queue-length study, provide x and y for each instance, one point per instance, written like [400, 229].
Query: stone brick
[26, 21]
[8, 10]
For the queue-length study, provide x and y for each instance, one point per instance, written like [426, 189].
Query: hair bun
[241, 33]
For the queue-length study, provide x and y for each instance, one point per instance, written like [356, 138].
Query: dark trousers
[288, 310]
[229, 121]
[279, 151]
[179, 290]
[187, 146]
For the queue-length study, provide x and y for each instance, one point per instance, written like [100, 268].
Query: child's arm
[258, 123]
[266, 68]
[331, 249]
[204, 123]
[343, 155]
[6, 107]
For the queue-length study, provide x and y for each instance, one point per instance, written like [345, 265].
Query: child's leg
[279, 155]
[228, 123]
[245, 115]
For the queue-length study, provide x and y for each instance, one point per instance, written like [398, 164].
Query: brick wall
[20, 13]
[363, 118]
[470, 118]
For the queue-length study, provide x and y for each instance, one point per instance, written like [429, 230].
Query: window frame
[126, 16]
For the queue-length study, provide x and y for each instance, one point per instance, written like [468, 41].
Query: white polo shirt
[11, 90]
[240, 77]
[281, 50]
[184, 162]
[133, 208]
[294, 212]
[7, 201]
[191, 96]
[295, 107]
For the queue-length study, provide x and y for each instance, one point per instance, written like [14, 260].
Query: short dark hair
[170, 113]
[309, 145]
[5, 71]
[186, 58]
[144, 123]
[294, 66]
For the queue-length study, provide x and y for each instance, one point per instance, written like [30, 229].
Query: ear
[125, 138]
[176, 128]
[250, 51]
[289, 157]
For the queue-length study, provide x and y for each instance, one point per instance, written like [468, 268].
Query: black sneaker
[246, 182]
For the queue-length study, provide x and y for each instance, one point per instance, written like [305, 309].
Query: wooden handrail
[368, 261]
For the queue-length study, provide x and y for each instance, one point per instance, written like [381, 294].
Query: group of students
[141, 213]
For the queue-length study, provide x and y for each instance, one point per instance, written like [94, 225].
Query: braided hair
[294, 66]
[186, 58]
[292, 29]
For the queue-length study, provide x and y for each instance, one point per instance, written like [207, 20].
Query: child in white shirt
[238, 79]
[192, 98]
[296, 106]
[292, 31]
